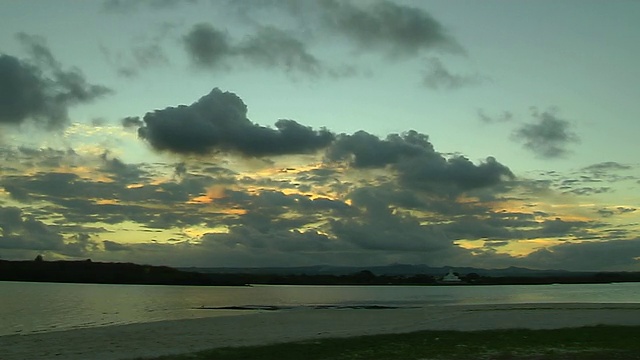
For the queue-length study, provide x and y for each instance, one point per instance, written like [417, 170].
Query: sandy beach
[182, 336]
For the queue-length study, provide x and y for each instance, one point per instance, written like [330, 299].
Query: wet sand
[183, 336]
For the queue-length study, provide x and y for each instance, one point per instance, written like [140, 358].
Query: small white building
[451, 278]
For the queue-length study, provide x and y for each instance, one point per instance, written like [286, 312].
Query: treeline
[368, 278]
[596, 278]
[360, 278]
[128, 273]
[101, 273]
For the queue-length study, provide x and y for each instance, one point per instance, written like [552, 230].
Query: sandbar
[184, 336]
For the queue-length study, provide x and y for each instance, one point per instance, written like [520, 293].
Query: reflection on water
[37, 307]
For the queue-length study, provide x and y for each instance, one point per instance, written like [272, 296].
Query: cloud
[506, 116]
[126, 6]
[437, 77]
[547, 137]
[218, 122]
[383, 27]
[364, 150]
[140, 57]
[592, 179]
[274, 48]
[39, 89]
[605, 167]
[398, 30]
[268, 47]
[596, 255]
[418, 164]
[27, 233]
[207, 46]
[131, 122]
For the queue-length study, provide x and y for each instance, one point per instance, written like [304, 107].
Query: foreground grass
[596, 343]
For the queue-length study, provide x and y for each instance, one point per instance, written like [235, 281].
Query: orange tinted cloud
[213, 193]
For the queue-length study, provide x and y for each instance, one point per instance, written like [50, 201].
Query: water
[41, 307]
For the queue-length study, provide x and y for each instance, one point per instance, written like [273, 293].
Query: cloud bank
[218, 122]
[39, 89]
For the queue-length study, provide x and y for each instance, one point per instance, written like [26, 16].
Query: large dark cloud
[218, 122]
[418, 164]
[39, 89]
[548, 136]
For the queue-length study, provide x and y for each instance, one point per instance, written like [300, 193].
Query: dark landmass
[102, 273]
[404, 274]
[367, 277]
[394, 269]
[127, 273]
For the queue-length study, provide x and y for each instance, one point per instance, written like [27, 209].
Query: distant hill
[393, 270]
[403, 274]
[397, 274]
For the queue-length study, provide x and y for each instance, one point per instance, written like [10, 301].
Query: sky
[245, 133]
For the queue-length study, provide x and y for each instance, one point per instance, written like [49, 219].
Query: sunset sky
[289, 133]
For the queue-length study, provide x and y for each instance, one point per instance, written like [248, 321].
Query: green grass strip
[595, 342]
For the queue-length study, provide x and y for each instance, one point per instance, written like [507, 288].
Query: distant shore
[184, 336]
[87, 271]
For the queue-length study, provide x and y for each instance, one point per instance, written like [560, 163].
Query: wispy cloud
[548, 136]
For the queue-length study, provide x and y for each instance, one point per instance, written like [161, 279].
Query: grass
[595, 343]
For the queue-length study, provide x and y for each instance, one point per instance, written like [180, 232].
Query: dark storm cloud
[395, 29]
[39, 89]
[218, 122]
[418, 164]
[548, 136]
[437, 76]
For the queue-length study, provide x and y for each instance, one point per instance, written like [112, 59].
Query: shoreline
[190, 335]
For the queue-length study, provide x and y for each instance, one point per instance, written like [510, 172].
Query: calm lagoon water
[42, 307]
